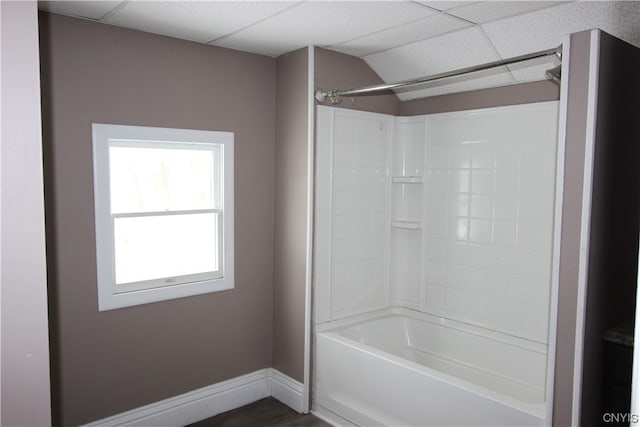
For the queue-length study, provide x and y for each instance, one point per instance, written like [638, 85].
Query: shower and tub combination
[434, 259]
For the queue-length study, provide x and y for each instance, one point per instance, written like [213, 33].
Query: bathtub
[399, 367]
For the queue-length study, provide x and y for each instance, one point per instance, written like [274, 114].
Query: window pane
[145, 179]
[155, 247]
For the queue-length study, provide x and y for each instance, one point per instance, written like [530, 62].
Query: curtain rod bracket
[333, 95]
[559, 52]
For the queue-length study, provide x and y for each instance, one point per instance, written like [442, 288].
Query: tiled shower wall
[450, 214]
[358, 196]
[490, 193]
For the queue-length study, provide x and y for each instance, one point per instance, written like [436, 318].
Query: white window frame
[143, 292]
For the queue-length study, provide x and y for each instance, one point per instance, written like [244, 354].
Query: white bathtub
[398, 367]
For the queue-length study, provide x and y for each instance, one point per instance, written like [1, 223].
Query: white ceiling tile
[451, 51]
[82, 9]
[200, 21]
[446, 5]
[421, 29]
[493, 10]
[323, 23]
[545, 29]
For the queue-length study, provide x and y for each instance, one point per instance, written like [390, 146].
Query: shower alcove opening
[433, 266]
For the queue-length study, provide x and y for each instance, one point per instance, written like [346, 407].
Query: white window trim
[108, 298]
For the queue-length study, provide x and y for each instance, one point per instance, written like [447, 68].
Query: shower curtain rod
[336, 95]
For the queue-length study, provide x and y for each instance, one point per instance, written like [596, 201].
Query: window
[164, 213]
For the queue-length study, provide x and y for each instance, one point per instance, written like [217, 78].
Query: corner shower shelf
[406, 225]
[407, 179]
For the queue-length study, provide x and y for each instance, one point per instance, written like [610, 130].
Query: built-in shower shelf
[407, 180]
[406, 225]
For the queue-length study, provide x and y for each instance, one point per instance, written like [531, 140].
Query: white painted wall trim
[585, 227]
[24, 352]
[306, 390]
[288, 391]
[211, 400]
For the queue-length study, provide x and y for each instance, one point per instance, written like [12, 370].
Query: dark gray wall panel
[615, 213]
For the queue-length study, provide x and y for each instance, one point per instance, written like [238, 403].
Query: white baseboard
[286, 390]
[208, 401]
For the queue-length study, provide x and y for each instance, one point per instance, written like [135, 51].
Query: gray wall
[25, 347]
[290, 223]
[104, 363]
[484, 98]
[335, 70]
[615, 211]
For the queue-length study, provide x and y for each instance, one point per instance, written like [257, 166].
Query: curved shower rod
[336, 95]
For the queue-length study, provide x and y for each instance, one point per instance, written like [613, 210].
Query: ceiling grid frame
[466, 23]
[254, 23]
[498, 55]
[103, 19]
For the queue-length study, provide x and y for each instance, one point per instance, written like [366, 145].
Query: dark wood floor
[263, 413]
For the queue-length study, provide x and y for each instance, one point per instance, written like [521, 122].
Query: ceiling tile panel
[421, 29]
[493, 10]
[81, 9]
[545, 29]
[446, 5]
[200, 21]
[439, 54]
[323, 23]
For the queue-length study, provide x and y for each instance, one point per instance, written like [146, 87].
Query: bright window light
[161, 197]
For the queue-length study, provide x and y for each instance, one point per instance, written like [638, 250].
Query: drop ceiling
[398, 39]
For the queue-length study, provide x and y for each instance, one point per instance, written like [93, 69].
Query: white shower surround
[448, 214]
